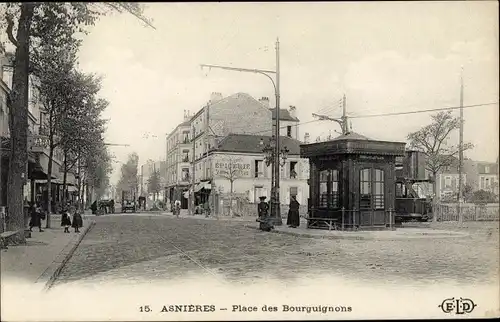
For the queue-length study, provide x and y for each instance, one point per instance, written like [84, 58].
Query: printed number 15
[145, 308]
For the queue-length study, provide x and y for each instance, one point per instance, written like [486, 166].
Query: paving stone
[146, 248]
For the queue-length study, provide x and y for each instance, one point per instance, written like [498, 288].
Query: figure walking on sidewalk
[65, 220]
[36, 217]
[293, 213]
[77, 221]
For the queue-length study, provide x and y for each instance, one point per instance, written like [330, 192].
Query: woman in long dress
[293, 213]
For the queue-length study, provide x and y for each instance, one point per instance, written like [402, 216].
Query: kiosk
[352, 182]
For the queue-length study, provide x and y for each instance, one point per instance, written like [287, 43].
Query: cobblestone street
[148, 248]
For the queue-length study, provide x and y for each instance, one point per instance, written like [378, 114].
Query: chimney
[215, 97]
[306, 138]
[264, 101]
[293, 111]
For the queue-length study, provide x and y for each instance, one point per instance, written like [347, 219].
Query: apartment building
[36, 188]
[178, 161]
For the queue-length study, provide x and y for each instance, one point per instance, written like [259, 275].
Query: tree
[432, 140]
[231, 170]
[129, 178]
[154, 183]
[81, 132]
[35, 23]
[97, 165]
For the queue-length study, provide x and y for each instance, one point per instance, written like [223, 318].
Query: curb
[347, 237]
[311, 235]
[50, 275]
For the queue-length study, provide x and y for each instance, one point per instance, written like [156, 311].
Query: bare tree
[231, 170]
[432, 140]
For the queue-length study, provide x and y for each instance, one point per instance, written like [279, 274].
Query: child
[77, 221]
[65, 221]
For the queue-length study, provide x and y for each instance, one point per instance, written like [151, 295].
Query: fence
[243, 208]
[470, 212]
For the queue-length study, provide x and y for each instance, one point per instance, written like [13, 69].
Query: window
[289, 131]
[293, 191]
[379, 189]
[185, 155]
[486, 169]
[365, 189]
[329, 189]
[259, 191]
[259, 168]
[185, 137]
[447, 182]
[185, 174]
[371, 185]
[293, 171]
[400, 190]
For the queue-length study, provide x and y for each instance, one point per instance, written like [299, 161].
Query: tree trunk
[65, 177]
[231, 199]
[49, 184]
[18, 122]
[435, 210]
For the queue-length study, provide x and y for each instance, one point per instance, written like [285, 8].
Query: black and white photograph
[221, 161]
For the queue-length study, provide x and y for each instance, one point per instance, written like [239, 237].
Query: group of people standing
[38, 214]
[266, 223]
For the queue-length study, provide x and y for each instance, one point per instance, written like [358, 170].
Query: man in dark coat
[93, 207]
[293, 213]
[263, 211]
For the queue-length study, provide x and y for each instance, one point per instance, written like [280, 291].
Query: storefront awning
[203, 185]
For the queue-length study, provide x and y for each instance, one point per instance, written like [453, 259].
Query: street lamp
[270, 152]
[275, 181]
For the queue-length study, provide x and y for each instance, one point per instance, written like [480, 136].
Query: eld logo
[457, 306]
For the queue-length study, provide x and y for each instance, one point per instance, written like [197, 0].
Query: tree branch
[10, 28]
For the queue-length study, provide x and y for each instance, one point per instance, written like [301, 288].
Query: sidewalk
[40, 260]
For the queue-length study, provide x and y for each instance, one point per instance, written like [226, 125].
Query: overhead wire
[392, 114]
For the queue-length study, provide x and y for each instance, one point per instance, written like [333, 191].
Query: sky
[385, 57]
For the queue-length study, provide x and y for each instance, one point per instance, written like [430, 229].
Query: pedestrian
[65, 220]
[263, 211]
[93, 207]
[177, 208]
[36, 217]
[112, 206]
[293, 213]
[77, 221]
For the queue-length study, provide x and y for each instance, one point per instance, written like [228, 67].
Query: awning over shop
[203, 185]
[72, 189]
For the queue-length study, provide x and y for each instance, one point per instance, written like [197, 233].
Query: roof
[351, 136]
[252, 143]
[492, 168]
[284, 115]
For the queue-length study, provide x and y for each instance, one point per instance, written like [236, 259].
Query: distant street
[143, 248]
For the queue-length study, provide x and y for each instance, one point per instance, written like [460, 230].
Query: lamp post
[275, 181]
[278, 159]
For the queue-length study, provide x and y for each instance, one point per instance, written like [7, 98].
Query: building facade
[178, 162]
[36, 187]
[482, 175]
[238, 167]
